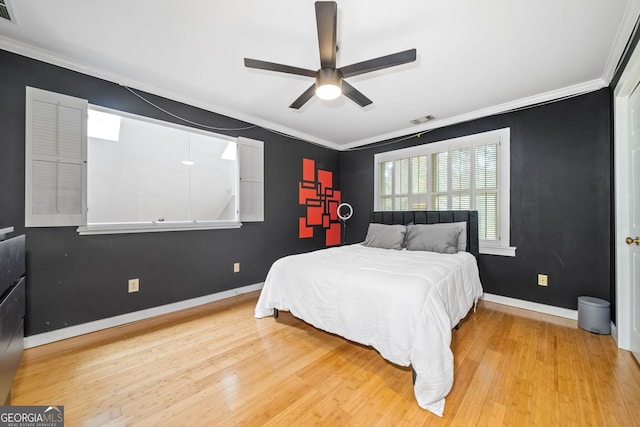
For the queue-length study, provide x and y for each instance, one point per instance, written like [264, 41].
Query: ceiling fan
[330, 82]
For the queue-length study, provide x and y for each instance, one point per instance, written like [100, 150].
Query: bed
[400, 300]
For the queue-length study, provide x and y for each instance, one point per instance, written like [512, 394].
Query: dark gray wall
[561, 165]
[561, 177]
[75, 279]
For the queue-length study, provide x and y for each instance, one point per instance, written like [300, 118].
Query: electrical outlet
[543, 280]
[236, 267]
[134, 285]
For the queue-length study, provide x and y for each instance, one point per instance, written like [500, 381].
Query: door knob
[630, 240]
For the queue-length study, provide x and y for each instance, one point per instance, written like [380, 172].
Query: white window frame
[55, 219]
[501, 246]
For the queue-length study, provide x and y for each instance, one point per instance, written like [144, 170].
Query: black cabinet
[12, 310]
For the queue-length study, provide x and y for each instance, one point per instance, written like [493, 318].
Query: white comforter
[402, 303]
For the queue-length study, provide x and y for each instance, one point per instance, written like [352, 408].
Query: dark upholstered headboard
[433, 217]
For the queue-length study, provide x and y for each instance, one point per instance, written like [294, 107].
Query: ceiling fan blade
[379, 63]
[302, 99]
[355, 95]
[272, 66]
[326, 17]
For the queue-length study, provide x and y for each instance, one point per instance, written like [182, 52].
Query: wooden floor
[218, 365]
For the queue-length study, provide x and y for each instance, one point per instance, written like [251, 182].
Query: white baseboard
[614, 332]
[533, 306]
[85, 328]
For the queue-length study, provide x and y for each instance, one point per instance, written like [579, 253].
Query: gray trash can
[594, 315]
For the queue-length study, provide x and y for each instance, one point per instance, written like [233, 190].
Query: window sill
[498, 250]
[154, 227]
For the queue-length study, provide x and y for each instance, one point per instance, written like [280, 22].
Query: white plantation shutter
[440, 172]
[486, 179]
[461, 169]
[419, 174]
[386, 180]
[56, 169]
[461, 202]
[401, 168]
[419, 183]
[487, 206]
[386, 185]
[461, 178]
[440, 181]
[251, 156]
[401, 184]
[487, 166]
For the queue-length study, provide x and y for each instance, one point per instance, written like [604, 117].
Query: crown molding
[621, 41]
[546, 97]
[57, 60]
[626, 28]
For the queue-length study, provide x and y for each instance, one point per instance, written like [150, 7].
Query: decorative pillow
[385, 236]
[442, 238]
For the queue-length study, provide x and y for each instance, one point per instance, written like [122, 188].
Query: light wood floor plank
[218, 365]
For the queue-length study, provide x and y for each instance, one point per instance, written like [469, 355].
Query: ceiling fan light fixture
[328, 83]
[328, 91]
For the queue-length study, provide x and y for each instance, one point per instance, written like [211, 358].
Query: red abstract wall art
[316, 192]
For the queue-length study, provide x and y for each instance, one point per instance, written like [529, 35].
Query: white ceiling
[474, 57]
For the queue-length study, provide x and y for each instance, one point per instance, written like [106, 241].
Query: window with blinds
[468, 173]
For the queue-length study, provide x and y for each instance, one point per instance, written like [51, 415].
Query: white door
[627, 205]
[633, 238]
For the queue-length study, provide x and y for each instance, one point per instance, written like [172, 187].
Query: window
[123, 173]
[467, 173]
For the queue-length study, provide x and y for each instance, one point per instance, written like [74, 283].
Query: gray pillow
[385, 236]
[441, 238]
[462, 239]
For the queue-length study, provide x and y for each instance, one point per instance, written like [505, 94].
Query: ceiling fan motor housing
[328, 76]
[328, 83]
